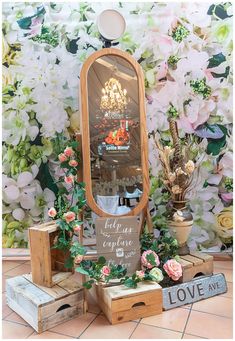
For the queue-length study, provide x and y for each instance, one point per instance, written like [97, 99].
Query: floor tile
[102, 329]
[13, 317]
[209, 326]
[149, 332]
[75, 326]
[4, 278]
[223, 264]
[188, 336]
[19, 270]
[174, 319]
[227, 273]
[229, 293]
[48, 335]
[9, 265]
[217, 305]
[5, 309]
[11, 330]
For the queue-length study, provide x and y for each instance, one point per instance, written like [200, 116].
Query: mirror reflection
[114, 124]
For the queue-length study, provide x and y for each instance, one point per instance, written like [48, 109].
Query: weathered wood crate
[196, 264]
[43, 307]
[121, 304]
[45, 261]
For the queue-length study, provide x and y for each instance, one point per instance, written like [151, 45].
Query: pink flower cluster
[68, 153]
[145, 261]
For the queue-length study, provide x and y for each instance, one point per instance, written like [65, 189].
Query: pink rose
[77, 228]
[173, 269]
[78, 259]
[145, 262]
[68, 151]
[73, 163]
[227, 197]
[52, 212]
[140, 274]
[69, 179]
[69, 216]
[105, 270]
[62, 157]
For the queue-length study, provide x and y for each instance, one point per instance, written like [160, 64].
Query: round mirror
[115, 123]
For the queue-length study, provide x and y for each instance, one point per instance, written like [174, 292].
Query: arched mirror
[114, 137]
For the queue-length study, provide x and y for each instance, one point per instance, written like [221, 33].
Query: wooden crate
[121, 304]
[44, 308]
[45, 261]
[195, 264]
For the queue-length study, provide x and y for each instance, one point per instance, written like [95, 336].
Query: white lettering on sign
[113, 225]
[196, 290]
[118, 243]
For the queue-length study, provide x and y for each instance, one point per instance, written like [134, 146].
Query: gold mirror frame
[84, 110]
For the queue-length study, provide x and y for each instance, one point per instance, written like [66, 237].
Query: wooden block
[196, 264]
[44, 307]
[121, 304]
[45, 259]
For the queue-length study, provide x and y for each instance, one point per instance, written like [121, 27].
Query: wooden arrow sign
[193, 291]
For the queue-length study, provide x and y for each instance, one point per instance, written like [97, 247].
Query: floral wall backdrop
[185, 50]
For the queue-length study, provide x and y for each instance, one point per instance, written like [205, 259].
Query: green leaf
[220, 75]
[214, 146]
[88, 284]
[130, 283]
[82, 271]
[151, 259]
[101, 260]
[216, 60]
[69, 263]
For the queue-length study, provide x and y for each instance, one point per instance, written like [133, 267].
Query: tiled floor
[208, 319]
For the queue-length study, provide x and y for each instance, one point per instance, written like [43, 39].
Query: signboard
[193, 291]
[118, 241]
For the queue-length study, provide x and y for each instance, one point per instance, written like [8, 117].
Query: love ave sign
[196, 290]
[117, 240]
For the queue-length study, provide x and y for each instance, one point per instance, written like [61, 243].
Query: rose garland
[158, 257]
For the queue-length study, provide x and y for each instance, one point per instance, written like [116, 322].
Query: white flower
[178, 216]
[189, 167]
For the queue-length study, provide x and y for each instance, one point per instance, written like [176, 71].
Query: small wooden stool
[195, 264]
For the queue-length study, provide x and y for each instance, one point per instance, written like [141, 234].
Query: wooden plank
[20, 310]
[146, 299]
[60, 276]
[138, 312]
[40, 257]
[71, 300]
[193, 291]
[62, 316]
[205, 257]
[185, 264]
[194, 260]
[56, 291]
[121, 291]
[22, 287]
[70, 286]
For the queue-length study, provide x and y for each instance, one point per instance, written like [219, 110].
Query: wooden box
[196, 264]
[43, 307]
[45, 261]
[121, 304]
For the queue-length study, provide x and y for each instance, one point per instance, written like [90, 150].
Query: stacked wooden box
[43, 307]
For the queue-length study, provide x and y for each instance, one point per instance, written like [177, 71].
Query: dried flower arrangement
[178, 169]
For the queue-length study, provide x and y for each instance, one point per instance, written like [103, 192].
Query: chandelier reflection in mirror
[114, 99]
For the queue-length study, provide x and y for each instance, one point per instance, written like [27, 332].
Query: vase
[180, 224]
